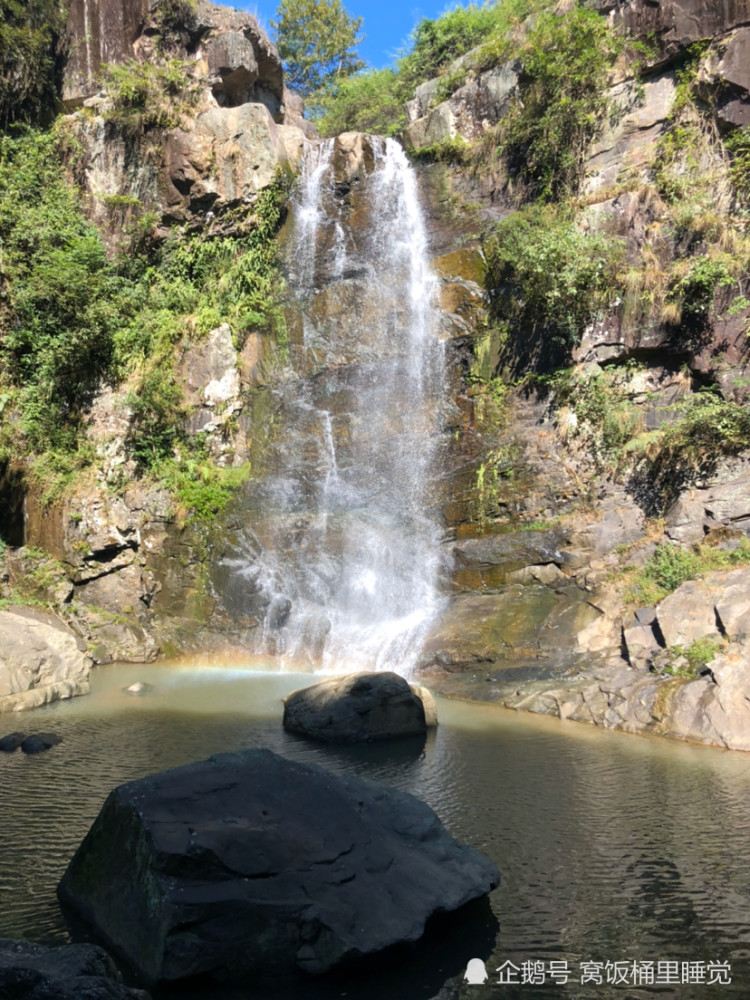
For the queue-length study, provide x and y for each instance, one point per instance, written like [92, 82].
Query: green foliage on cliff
[194, 283]
[29, 33]
[738, 144]
[546, 274]
[74, 319]
[562, 103]
[173, 15]
[374, 101]
[62, 295]
[145, 95]
[438, 43]
[368, 102]
[202, 490]
[672, 565]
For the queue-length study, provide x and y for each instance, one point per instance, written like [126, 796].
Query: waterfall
[347, 543]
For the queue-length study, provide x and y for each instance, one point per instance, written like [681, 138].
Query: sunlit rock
[360, 707]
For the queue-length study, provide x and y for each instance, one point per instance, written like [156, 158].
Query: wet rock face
[183, 869]
[358, 708]
[101, 31]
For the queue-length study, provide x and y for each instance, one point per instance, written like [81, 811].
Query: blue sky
[386, 23]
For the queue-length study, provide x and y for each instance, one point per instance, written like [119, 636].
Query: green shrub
[738, 144]
[436, 43]
[604, 414]
[173, 15]
[671, 565]
[73, 319]
[29, 65]
[450, 150]
[157, 415]
[698, 655]
[145, 95]
[562, 103]
[694, 290]
[62, 292]
[201, 489]
[373, 101]
[544, 273]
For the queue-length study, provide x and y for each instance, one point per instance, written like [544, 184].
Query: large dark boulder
[248, 863]
[70, 972]
[360, 707]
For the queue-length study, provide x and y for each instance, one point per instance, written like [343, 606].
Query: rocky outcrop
[70, 972]
[229, 146]
[230, 48]
[358, 708]
[40, 661]
[469, 112]
[637, 672]
[675, 25]
[182, 869]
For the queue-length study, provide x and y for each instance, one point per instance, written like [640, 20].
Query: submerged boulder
[11, 742]
[39, 742]
[360, 707]
[70, 972]
[248, 863]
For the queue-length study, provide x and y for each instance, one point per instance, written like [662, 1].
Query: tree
[29, 64]
[316, 41]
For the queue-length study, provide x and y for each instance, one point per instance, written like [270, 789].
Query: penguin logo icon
[476, 974]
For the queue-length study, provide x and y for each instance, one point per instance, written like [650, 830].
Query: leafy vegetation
[375, 99]
[562, 103]
[75, 319]
[671, 565]
[738, 144]
[60, 290]
[546, 274]
[29, 34]
[171, 15]
[317, 42]
[146, 95]
[452, 150]
[692, 660]
[202, 490]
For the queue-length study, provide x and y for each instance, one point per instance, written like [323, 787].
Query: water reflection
[611, 847]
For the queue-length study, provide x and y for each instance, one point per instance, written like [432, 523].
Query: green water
[611, 847]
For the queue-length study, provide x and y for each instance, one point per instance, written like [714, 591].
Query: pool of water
[612, 848]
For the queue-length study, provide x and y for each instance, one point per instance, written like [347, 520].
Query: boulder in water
[70, 972]
[139, 688]
[248, 863]
[360, 707]
[11, 742]
[38, 742]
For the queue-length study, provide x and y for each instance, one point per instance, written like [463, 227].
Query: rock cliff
[556, 508]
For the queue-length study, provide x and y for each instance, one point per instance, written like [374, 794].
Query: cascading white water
[348, 550]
